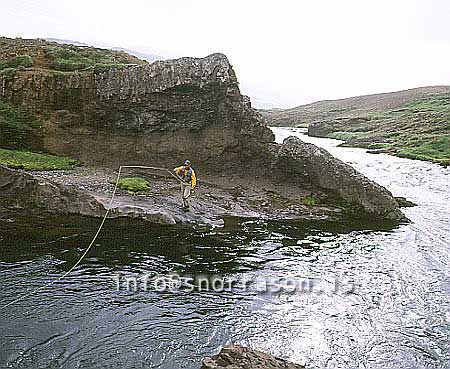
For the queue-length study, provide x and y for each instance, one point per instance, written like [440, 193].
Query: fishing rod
[51, 283]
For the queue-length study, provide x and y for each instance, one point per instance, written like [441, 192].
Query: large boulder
[19, 189]
[309, 163]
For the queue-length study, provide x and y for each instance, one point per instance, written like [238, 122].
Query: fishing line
[24, 296]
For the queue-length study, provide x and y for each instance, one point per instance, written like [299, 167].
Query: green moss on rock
[134, 184]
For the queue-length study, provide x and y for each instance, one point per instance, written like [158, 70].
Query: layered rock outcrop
[188, 107]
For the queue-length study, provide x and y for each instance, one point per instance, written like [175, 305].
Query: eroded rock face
[316, 165]
[188, 107]
[239, 357]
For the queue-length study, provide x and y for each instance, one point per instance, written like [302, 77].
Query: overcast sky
[285, 53]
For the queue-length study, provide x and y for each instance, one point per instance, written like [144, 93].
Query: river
[391, 309]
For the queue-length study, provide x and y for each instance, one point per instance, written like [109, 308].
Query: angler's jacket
[186, 175]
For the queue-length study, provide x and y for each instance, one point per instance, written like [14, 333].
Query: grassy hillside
[304, 115]
[413, 123]
[23, 53]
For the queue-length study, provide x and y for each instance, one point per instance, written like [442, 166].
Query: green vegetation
[20, 53]
[376, 115]
[433, 104]
[8, 72]
[413, 123]
[34, 161]
[375, 146]
[68, 58]
[16, 127]
[418, 129]
[22, 61]
[134, 184]
[344, 136]
[309, 201]
[435, 148]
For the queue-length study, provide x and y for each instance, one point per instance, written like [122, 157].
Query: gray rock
[19, 189]
[404, 203]
[306, 161]
[22, 190]
[134, 114]
[239, 357]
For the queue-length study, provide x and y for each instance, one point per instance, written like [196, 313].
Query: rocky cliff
[134, 113]
[107, 109]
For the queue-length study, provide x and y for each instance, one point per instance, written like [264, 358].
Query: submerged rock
[240, 357]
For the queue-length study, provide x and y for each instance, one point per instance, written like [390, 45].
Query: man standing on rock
[187, 176]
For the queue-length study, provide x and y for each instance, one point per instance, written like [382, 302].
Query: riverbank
[411, 123]
[88, 191]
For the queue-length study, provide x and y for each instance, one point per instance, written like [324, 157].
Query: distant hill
[413, 123]
[141, 55]
[304, 115]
